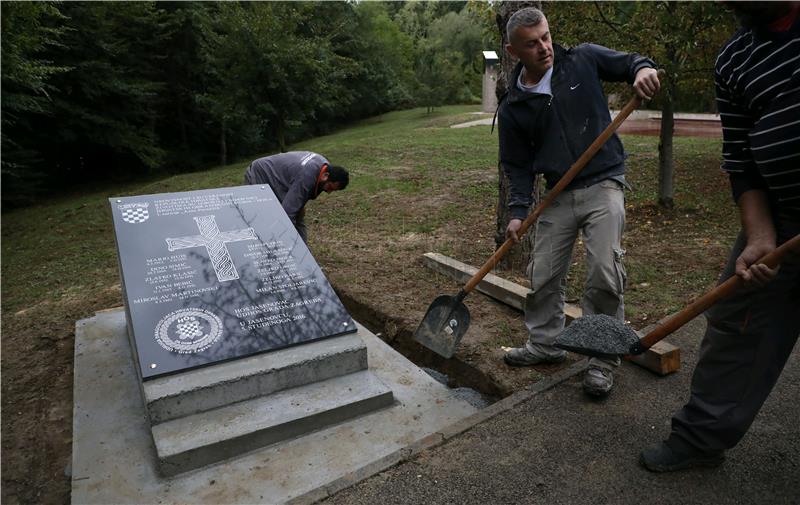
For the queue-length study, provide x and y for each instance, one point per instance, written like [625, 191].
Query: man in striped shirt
[751, 334]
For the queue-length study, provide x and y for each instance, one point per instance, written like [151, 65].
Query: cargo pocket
[541, 262]
[619, 266]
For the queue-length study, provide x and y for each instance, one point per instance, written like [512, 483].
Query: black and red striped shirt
[757, 78]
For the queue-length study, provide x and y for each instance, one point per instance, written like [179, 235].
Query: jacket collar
[517, 95]
[319, 184]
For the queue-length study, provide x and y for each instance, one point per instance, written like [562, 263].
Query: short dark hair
[529, 16]
[338, 174]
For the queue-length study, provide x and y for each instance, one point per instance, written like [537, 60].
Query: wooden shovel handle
[721, 291]
[553, 193]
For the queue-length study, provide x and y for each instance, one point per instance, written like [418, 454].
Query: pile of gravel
[597, 334]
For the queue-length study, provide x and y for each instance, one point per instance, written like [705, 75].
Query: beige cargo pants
[598, 213]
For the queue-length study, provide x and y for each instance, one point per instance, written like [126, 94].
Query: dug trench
[396, 333]
[479, 369]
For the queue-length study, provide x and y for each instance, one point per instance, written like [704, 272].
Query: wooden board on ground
[502, 290]
[663, 358]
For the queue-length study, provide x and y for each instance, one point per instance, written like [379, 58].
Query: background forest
[104, 91]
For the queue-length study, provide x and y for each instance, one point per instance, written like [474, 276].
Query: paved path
[644, 122]
[560, 447]
[682, 127]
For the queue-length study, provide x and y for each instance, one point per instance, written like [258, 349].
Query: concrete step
[201, 439]
[212, 387]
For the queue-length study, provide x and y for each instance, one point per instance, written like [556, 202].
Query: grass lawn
[416, 186]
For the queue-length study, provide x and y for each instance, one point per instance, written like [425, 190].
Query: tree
[416, 16]
[222, 52]
[439, 75]
[273, 68]
[460, 34]
[683, 39]
[519, 256]
[182, 125]
[444, 35]
[384, 77]
[106, 105]
[27, 77]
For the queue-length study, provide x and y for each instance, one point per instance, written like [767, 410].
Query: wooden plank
[502, 290]
[662, 358]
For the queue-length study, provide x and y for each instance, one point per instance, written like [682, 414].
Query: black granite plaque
[218, 274]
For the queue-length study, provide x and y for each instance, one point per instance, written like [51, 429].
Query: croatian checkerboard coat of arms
[134, 213]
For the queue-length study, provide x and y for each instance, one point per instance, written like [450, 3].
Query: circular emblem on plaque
[134, 212]
[187, 331]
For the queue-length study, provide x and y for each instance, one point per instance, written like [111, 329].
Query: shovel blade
[443, 326]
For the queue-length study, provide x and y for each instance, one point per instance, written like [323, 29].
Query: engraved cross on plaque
[214, 241]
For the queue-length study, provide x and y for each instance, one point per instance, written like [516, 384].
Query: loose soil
[418, 186]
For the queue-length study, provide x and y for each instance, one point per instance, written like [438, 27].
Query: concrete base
[114, 457]
[195, 441]
[219, 385]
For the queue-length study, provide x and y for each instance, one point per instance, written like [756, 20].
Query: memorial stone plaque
[218, 274]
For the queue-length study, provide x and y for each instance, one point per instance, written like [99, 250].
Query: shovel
[601, 335]
[447, 319]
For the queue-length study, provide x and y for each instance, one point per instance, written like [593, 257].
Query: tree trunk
[665, 161]
[280, 131]
[223, 144]
[666, 165]
[182, 125]
[517, 257]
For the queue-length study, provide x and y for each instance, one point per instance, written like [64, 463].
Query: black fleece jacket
[544, 134]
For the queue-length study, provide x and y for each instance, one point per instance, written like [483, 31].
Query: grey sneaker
[521, 356]
[597, 381]
[663, 458]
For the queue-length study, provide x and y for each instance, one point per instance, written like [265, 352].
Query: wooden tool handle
[721, 291]
[553, 193]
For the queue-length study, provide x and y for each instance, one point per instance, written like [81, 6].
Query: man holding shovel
[554, 110]
[750, 335]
